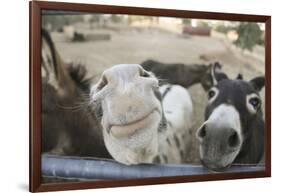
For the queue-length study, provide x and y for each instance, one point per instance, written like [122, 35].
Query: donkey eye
[212, 94]
[103, 82]
[255, 102]
[144, 73]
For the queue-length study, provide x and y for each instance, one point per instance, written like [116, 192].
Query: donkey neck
[253, 147]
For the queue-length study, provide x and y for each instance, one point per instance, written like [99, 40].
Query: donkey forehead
[123, 71]
[235, 88]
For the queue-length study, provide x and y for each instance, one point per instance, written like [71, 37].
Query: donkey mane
[78, 74]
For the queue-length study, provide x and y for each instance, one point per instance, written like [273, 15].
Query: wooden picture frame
[35, 8]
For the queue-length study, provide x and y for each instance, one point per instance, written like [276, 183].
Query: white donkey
[142, 122]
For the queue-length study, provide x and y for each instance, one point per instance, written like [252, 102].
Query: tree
[223, 29]
[116, 18]
[58, 21]
[186, 21]
[250, 34]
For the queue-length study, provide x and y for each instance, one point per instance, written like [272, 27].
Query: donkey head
[128, 103]
[233, 130]
[212, 75]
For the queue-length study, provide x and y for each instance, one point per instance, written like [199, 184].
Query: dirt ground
[135, 45]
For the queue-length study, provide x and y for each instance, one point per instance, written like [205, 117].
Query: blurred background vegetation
[245, 35]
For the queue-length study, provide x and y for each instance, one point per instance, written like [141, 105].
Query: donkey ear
[48, 57]
[239, 77]
[258, 82]
[216, 73]
[212, 75]
[52, 67]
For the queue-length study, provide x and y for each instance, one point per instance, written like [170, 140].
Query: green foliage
[58, 21]
[134, 18]
[223, 29]
[250, 35]
[95, 18]
[186, 21]
[203, 24]
[116, 18]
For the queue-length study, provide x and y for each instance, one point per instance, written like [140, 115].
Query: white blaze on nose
[225, 116]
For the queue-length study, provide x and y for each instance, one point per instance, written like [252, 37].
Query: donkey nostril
[202, 132]
[233, 140]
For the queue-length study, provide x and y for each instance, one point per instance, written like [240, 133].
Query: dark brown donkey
[67, 129]
[186, 75]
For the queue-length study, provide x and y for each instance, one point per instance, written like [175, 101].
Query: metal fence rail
[88, 168]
